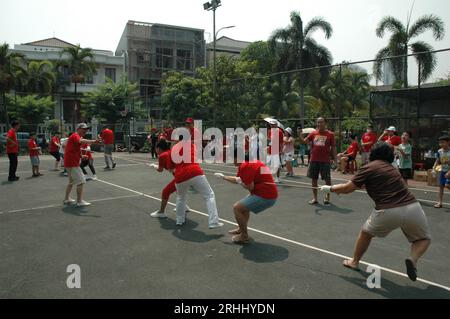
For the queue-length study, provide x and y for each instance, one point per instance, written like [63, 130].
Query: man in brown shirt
[395, 207]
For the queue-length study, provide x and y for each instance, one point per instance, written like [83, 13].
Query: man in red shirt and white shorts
[72, 158]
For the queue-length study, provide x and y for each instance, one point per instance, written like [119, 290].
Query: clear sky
[100, 23]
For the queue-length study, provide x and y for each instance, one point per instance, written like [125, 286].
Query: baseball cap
[289, 130]
[82, 126]
[391, 129]
[189, 120]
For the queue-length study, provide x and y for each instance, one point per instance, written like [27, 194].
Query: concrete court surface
[122, 252]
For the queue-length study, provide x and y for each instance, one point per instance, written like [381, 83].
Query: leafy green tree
[10, 70]
[31, 110]
[80, 62]
[400, 44]
[296, 49]
[113, 102]
[40, 77]
[260, 53]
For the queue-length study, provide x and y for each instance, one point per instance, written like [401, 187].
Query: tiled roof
[51, 42]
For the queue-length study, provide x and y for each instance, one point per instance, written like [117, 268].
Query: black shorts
[56, 155]
[316, 168]
[406, 173]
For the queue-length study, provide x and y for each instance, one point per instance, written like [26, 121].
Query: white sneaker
[158, 214]
[179, 223]
[83, 204]
[88, 178]
[188, 209]
[69, 202]
[277, 180]
[217, 225]
[94, 178]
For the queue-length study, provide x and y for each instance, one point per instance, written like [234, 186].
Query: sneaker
[88, 178]
[83, 204]
[65, 174]
[114, 165]
[69, 202]
[277, 180]
[94, 178]
[180, 223]
[217, 225]
[158, 214]
[107, 167]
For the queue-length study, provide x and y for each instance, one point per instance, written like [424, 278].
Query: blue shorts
[257, 204]
[442, 180]
[35, 160]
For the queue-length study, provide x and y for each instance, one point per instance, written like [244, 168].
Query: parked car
[22, 138]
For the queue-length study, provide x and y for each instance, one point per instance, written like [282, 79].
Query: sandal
[347, 263]
[237, 240]
[313, 202]
[236, 231]
[438, 206]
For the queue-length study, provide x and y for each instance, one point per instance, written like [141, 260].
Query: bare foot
[438, 205]
[240, 239]
[236, 231]
[349, 263]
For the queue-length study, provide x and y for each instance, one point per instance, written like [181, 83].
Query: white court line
[50, 170]
[282, 238]
[286, 182]
[59, 205]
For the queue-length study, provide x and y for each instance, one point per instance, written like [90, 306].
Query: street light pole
[214, 68]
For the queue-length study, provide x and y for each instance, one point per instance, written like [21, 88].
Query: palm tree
[281, 97]
[296, 49]
[10, 68]
[81, 65]
[400, 44]
[40, 77]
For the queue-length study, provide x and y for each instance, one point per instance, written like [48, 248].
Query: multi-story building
[151, 49]
[50, 49]
[225, 46]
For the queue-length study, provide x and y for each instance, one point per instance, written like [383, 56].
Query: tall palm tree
[81, 64]
[296, 49]
[10, 68]
[400, 44]
[40, 76]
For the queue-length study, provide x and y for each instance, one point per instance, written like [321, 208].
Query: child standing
[443, 160]
[288, 150]
[34, 155]
[404, 153]
[54, 149]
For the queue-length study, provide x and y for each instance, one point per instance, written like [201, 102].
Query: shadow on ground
[187, 232]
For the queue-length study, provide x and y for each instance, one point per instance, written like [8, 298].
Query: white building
[50, 49]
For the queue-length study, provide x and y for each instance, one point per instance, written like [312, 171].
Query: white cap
[391, 129]
[289, 130]
[83, 126]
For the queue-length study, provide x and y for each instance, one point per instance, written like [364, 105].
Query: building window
[110, 73]
[164, 58]
[184, 60]
[143, 57]
[89, 79]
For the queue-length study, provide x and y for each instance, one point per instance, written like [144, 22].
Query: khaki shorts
[410, 218]
[76, 176]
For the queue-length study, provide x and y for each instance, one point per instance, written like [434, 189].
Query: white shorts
[76, 176]
[289, 157]
[274, 162]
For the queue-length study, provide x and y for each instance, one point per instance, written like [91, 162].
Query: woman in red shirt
[255, 177]
[189, 174]
[164, 163]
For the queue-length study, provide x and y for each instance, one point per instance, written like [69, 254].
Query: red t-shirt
[393, 140]
[368, 137]
[10, 147]
[260, 175]
[165, 161]
[185, 171]
[352, 150]
[32, 144]
[321, 144]
[53, 147]
[72, 153]
[107, 137]
[85, 152]
[280, 142]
